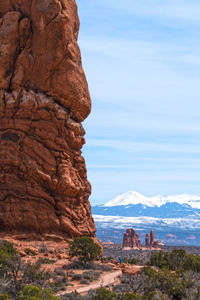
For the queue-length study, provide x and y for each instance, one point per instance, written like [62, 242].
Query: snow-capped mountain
[174, 215]
[137, 198]
[133, 204]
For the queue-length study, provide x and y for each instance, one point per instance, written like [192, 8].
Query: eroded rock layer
[43, 100]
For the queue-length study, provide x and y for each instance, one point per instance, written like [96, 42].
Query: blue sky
[142, 62]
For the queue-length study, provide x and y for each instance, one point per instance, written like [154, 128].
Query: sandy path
[105, 280]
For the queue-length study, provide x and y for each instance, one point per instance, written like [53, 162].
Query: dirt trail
[105, 280]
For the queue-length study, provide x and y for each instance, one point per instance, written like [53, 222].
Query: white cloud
[171, 9]
[135, 147]
[123, 222]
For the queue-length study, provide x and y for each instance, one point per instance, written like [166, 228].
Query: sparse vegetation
[16, 276]
[171, 275]
[176, 260]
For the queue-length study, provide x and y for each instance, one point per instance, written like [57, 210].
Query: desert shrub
[59, 272]
[191, 262]
[160, 259]
[176, 260]
[162, 284]
[130, 296]
[122, 288]
[43, 249]
[57, 286]
[72, 296]
[45, 260]
[7, 249]
[167, 282]
[155, 295]
[36, 293]
[104, 294]
[105, 268]
[133, 261]
[91, 275]
[125, 279]
[171, 261]
[32, 274]
[84, 281]
[29, 251]
[76, 276]
[85, 249]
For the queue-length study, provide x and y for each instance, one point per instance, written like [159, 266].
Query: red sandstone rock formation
[152, 237]
[147, 241]
[131, 239]
[43, 100]
[152, 243]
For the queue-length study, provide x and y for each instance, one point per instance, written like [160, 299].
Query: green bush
[7, 249]
[130, 296]
[85, 249]
[167, 282]
[176, 260]
[36, 293]
[104, 294]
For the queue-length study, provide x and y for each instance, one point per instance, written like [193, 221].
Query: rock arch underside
[43, 100]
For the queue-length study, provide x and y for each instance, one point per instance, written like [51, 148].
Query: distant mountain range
[175, 218]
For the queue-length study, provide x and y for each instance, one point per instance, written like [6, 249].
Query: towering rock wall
[43, 100]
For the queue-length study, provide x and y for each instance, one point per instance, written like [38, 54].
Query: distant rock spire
[152, 237]
[147, 241]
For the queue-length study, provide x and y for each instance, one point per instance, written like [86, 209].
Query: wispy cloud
[142, 63]
[176, 9]
[134, 147]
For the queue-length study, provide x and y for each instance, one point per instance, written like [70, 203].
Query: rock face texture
[131, 239]
[43, 100]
